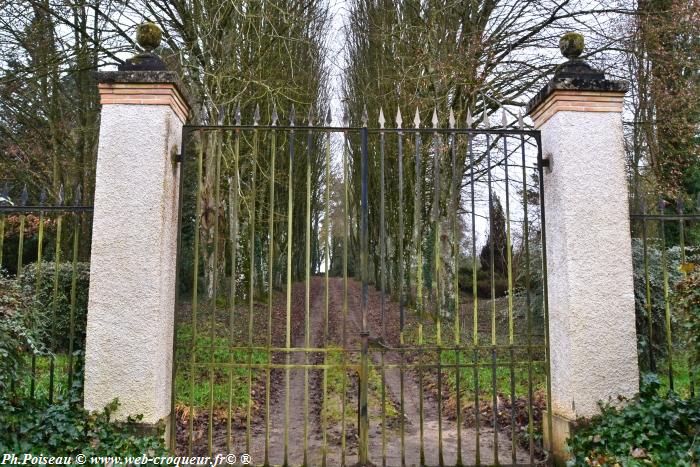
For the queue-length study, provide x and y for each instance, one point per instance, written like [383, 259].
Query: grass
[337, 376]
[228, 384]
[468, 380]
[42, 377]
[484, 374]
[681, 376]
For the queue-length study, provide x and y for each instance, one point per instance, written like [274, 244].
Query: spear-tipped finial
[436, 121]
[365, 116]
[78, 197]
[381, 119]
[292, 115]
[310, 117]
[237, 114]
[451, 119]
[61, 195]
[399, 118]
[416, 119]
[521, 123]
[275, 117]
[256, 115]
[42, 197]
[24, 196]
[329, 118]
[346, 117]
[487, 123]
[504, 120]
[470, 119]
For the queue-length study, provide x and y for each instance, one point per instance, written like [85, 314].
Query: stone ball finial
[571, 45]
[148, 35]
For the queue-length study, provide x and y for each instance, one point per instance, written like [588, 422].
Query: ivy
[64, 429]
[651, 429]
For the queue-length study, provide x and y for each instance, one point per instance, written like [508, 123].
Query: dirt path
[413, 398]
[385, 445]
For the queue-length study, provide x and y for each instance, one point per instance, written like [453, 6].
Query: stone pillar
[132, 273]
[592, 332]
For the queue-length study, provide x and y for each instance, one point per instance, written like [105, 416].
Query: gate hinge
[176, 155]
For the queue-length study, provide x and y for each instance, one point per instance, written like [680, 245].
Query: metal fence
[666, 248]
[44, 263]
[361, 294]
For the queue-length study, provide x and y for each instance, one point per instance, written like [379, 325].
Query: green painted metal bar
[346, 226]
[477, 410]
[509, 249]
[270, 280]
[54, 305]
[357, 129]
[173, 445]
[2, 238]
[288, 334]
[363, 428]
[492, 278]
[417, 219]
[195, 293]
[73, 297]
[454, 209]
[382, 253]
[509, 270]
[402, 280]
[475, 298]
[681, 233]
[647, 289]
[494, 407]
[37, 286]
[417, 223]
[307, 288]
[528, 298]
[545, 283]
[407, 348]
[357, 366]
[213, 288]
[234, 205]
[20, 246]
[252, 219]
[667, 301]
[327, 255]
[437, 260]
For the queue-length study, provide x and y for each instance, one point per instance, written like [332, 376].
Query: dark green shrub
[18, 335]
[655, 265]
[483, 287]
[650, 430]
[56, 328]
[35, 427]
[687, 300]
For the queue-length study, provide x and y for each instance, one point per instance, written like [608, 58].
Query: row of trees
[467, 55]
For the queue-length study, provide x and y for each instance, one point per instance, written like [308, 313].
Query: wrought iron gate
[357, 295]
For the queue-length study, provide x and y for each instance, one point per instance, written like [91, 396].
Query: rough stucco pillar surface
[132, 273]
[591, 293]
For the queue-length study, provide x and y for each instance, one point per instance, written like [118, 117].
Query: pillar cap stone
[577, 77]
[145, 87]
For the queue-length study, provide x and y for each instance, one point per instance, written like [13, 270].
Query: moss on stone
[571, 45]
[148, 35]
